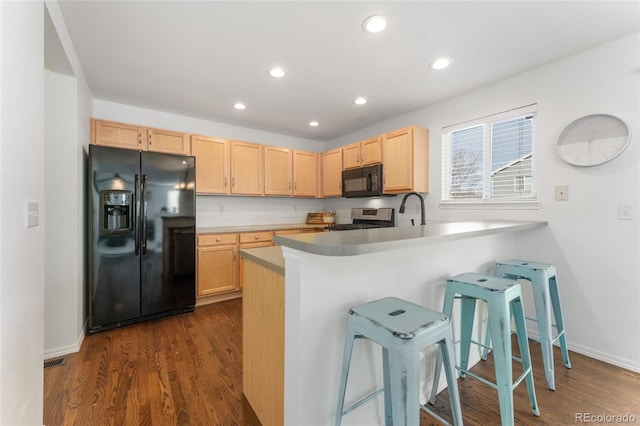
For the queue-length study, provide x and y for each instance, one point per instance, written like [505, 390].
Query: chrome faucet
[404, 200]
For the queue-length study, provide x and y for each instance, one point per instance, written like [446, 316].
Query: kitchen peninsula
[325, 274]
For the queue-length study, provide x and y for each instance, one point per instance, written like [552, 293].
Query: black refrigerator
[141, 236]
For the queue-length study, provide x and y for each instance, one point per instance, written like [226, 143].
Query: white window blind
[490, 159]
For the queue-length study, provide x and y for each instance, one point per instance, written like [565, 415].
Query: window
[490, 159]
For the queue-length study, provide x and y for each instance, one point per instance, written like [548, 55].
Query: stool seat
[544, 283]
[403, 329]
[503, 299]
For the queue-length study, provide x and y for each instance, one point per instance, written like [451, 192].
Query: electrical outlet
[625, 212]
[562, 193]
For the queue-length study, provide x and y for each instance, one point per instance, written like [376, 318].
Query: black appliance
[364, 218]
[362, 182]
[141, 236]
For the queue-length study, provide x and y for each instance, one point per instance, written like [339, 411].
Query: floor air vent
[53, 362]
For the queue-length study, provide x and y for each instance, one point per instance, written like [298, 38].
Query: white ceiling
[199, 58]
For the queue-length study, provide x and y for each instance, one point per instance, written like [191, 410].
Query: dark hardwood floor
[186, 370]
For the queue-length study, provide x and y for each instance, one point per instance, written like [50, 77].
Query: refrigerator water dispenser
[116, 212]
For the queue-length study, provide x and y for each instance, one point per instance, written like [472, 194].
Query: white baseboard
[66, 350]
[595, 354]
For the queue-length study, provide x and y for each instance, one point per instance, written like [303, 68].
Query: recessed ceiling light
[239, 105]
[314, 124]
[374, 24]
[360, 101]
[277, 72]
[440, 64]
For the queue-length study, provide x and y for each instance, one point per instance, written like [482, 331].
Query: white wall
[64, 216]
[597, 255]
[21, 179]
[145, 117]
[68, 107]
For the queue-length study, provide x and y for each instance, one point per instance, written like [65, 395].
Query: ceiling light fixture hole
[440, 63]
[277, 72]
[374, 24]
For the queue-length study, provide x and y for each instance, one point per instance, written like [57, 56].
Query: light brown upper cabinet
[167, 141]
[130, 136]
[118, 135]
[246, 168]
[278, 171]
[363, 153]
[212, 164]
[305, 174]
[332, 173]
[406, 160]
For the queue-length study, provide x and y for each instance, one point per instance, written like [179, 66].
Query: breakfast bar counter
[325, 274]
[349, 243]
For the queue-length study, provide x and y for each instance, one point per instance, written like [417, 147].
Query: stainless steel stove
[366, 218]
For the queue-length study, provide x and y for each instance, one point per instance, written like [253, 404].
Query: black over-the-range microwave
[362, 182]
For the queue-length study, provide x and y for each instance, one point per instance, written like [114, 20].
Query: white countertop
[350, 243]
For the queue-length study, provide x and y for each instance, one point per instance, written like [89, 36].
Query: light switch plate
[33, 214]
[562, 193]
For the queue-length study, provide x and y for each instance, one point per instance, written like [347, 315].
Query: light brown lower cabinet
[216, 264]
[263, 342]
[220, 268]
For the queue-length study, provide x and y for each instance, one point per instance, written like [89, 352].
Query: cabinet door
[332, 173]
[305, 174]
[169, 142]
[118, 135]
[246, 168]
[277, 171]
[397, 151]
[370, 151]
[217, 269]
[212, 164]
[351, 156]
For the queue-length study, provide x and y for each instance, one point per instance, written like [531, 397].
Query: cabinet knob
[256, 237]
[217, 240]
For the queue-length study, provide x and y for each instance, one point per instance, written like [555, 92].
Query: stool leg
[543, 316]
[388, 408]
[346, 360]
[557, 313]
[404, 381]
[448, 359]
[523, 344]
[467, 314]
[500, 324]
[447, 308]
[487, 344]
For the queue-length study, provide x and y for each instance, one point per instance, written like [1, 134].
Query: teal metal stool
[544, 284]
[503, 298]
[403, 329]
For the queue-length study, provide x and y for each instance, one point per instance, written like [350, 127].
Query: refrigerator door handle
[144, 214]
[136, 211]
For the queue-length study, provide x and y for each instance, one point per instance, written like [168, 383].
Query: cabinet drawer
[216, 239]
[254, 237]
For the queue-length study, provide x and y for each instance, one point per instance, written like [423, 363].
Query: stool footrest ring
[362, 401]
[435, 415]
